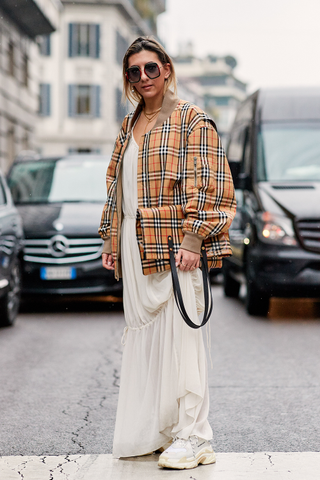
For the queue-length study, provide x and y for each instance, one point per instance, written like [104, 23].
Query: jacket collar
[170, 101]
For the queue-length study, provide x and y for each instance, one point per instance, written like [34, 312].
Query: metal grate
[60, 250]
[309, 233]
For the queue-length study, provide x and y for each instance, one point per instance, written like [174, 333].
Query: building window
[84, 101]
[25, 141]
[121, 47]
[222, 101]
[44, 43]
[25, 70]
[10, 145]
[84, 40]
[45, 100]
[11, 69]
[121, 110]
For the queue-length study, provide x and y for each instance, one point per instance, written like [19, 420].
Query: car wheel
[9, 304]
[257, 303]
[230, 286]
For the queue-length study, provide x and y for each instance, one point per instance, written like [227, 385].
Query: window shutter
[71, 100]
[94, 41]
[47, 99]
[71, 36]
[45, 45]
[121, 110]
[95, 100]
[48, 43]
[97, 28]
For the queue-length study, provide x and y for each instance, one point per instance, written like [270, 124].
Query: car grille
[309, 233]
[60, 250]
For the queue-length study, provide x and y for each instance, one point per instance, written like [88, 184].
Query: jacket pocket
[154, 225]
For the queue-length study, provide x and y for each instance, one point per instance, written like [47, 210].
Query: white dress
[163, 382]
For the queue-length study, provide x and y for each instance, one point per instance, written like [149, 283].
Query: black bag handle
[177, 290]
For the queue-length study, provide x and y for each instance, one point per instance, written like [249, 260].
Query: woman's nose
[144, 77]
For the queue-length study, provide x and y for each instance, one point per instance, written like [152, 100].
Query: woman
[168, 175]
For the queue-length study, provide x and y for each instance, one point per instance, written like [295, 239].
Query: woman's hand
[107, 261]
[186, 260]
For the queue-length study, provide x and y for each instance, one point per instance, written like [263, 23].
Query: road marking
[229, 466]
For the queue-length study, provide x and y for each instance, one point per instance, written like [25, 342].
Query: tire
[230, 286]
[257, 303]
[10, 303]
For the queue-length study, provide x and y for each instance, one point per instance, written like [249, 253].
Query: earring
[132, 90]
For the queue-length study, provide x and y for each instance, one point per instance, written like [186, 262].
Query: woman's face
[147, 87]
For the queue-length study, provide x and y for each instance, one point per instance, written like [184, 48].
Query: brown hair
[150, 44]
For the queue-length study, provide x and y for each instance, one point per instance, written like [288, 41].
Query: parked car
[274, 155]
[60, 201]
[11, 235]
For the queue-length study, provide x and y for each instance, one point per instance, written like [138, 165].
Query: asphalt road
[59, 378]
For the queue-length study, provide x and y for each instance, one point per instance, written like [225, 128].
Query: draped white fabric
[163, 383]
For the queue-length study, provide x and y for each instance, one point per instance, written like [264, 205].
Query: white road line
[229, 466]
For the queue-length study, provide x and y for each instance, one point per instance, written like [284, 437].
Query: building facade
[80, 88]
[20, 22]
[214, 80]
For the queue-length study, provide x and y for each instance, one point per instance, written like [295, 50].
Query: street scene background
[60, 111]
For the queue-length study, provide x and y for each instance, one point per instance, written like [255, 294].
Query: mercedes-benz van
[274, 155]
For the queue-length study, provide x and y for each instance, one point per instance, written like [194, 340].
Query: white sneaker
[187, 453]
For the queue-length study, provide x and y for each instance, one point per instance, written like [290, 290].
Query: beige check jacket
[185, 188]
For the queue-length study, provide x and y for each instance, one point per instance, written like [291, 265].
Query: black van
[274, 155]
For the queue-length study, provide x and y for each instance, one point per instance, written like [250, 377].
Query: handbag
[208, 302]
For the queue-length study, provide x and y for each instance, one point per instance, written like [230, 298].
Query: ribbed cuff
[107, 246]
[192, 242]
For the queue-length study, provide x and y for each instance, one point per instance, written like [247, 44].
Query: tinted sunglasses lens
[133, 74]
[152, 70]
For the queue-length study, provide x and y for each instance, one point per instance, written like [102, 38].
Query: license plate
[58, 273]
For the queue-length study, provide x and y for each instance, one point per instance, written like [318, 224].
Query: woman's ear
[167, 70]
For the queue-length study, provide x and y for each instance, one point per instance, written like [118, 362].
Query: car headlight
[276, 229]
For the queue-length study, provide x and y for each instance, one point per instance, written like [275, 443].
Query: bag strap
[177, 290]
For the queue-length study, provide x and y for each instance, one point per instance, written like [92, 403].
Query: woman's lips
[147, 86]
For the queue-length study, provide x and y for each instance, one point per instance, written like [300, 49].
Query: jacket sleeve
[105, 223]
[209, 203]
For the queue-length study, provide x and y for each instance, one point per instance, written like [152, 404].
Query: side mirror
[244, 182]
[241, 181]
[235, 170]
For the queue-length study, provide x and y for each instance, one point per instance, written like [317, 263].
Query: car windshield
[63, 180]
[289, 153]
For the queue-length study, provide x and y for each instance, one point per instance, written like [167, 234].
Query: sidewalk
[229, 466]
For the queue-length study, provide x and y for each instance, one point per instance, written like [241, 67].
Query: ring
[183, 264]
[192, 268]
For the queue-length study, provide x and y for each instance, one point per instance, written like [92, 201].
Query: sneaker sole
[205, 458]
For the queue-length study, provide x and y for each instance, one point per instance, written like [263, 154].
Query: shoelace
[194, 440]
[180, 442]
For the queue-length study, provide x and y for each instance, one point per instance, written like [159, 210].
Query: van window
[236, 144]
[288, 152]
[239, 138]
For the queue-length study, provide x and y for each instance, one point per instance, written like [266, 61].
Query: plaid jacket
[185, 188]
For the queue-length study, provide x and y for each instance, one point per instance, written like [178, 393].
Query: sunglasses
[151, 69]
